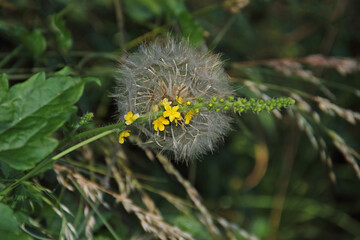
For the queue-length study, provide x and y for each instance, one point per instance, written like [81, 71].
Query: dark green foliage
[30, 112]
[280, 174]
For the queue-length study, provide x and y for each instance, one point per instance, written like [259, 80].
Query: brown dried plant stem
[193, 194]
[150, 221]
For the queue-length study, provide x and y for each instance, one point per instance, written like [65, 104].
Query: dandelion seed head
[170, 71]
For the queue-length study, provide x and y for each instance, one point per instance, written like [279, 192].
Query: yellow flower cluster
[159, 123]
[171, 114]
[130, 118]
[123, 135]
[189, 116]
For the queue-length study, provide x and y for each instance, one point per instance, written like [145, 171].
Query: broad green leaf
[30, 112]
[7, 235]
[9, 225]
[62, 34]
[8, 221]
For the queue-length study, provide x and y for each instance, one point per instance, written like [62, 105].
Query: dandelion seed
[130, 118]
[159, 123]
[123, 135]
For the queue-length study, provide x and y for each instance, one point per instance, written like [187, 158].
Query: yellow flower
[179, 99]
[189, 116]
[188, 103]
[123, 135]
[165, 102]
[159, 123]
[172, 113]
[130, 118]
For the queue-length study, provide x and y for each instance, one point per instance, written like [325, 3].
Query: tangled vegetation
[142, 119]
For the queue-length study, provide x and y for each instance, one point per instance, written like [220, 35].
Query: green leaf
[62, 34]
[34, 41]
[8, 221]
[9, 225]
[30, 112]
[66, 71]
[92, 79]
[4, 85]
[143, 10]
[191, 225]
[6, 235]
[190, 28]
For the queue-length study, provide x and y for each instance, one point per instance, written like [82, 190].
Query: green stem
[70, 149]
[92, 132]
[43, 164]
[238, 105]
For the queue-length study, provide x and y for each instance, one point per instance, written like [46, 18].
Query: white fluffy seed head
[168, 68]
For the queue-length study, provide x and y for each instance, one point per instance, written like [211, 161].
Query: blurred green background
[272, 177]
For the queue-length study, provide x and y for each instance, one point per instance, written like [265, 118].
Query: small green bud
[86, 118]
[231, 99]
[200, 99]
[226, 108]
[221, 100]
[217, 110]
[214, 99]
